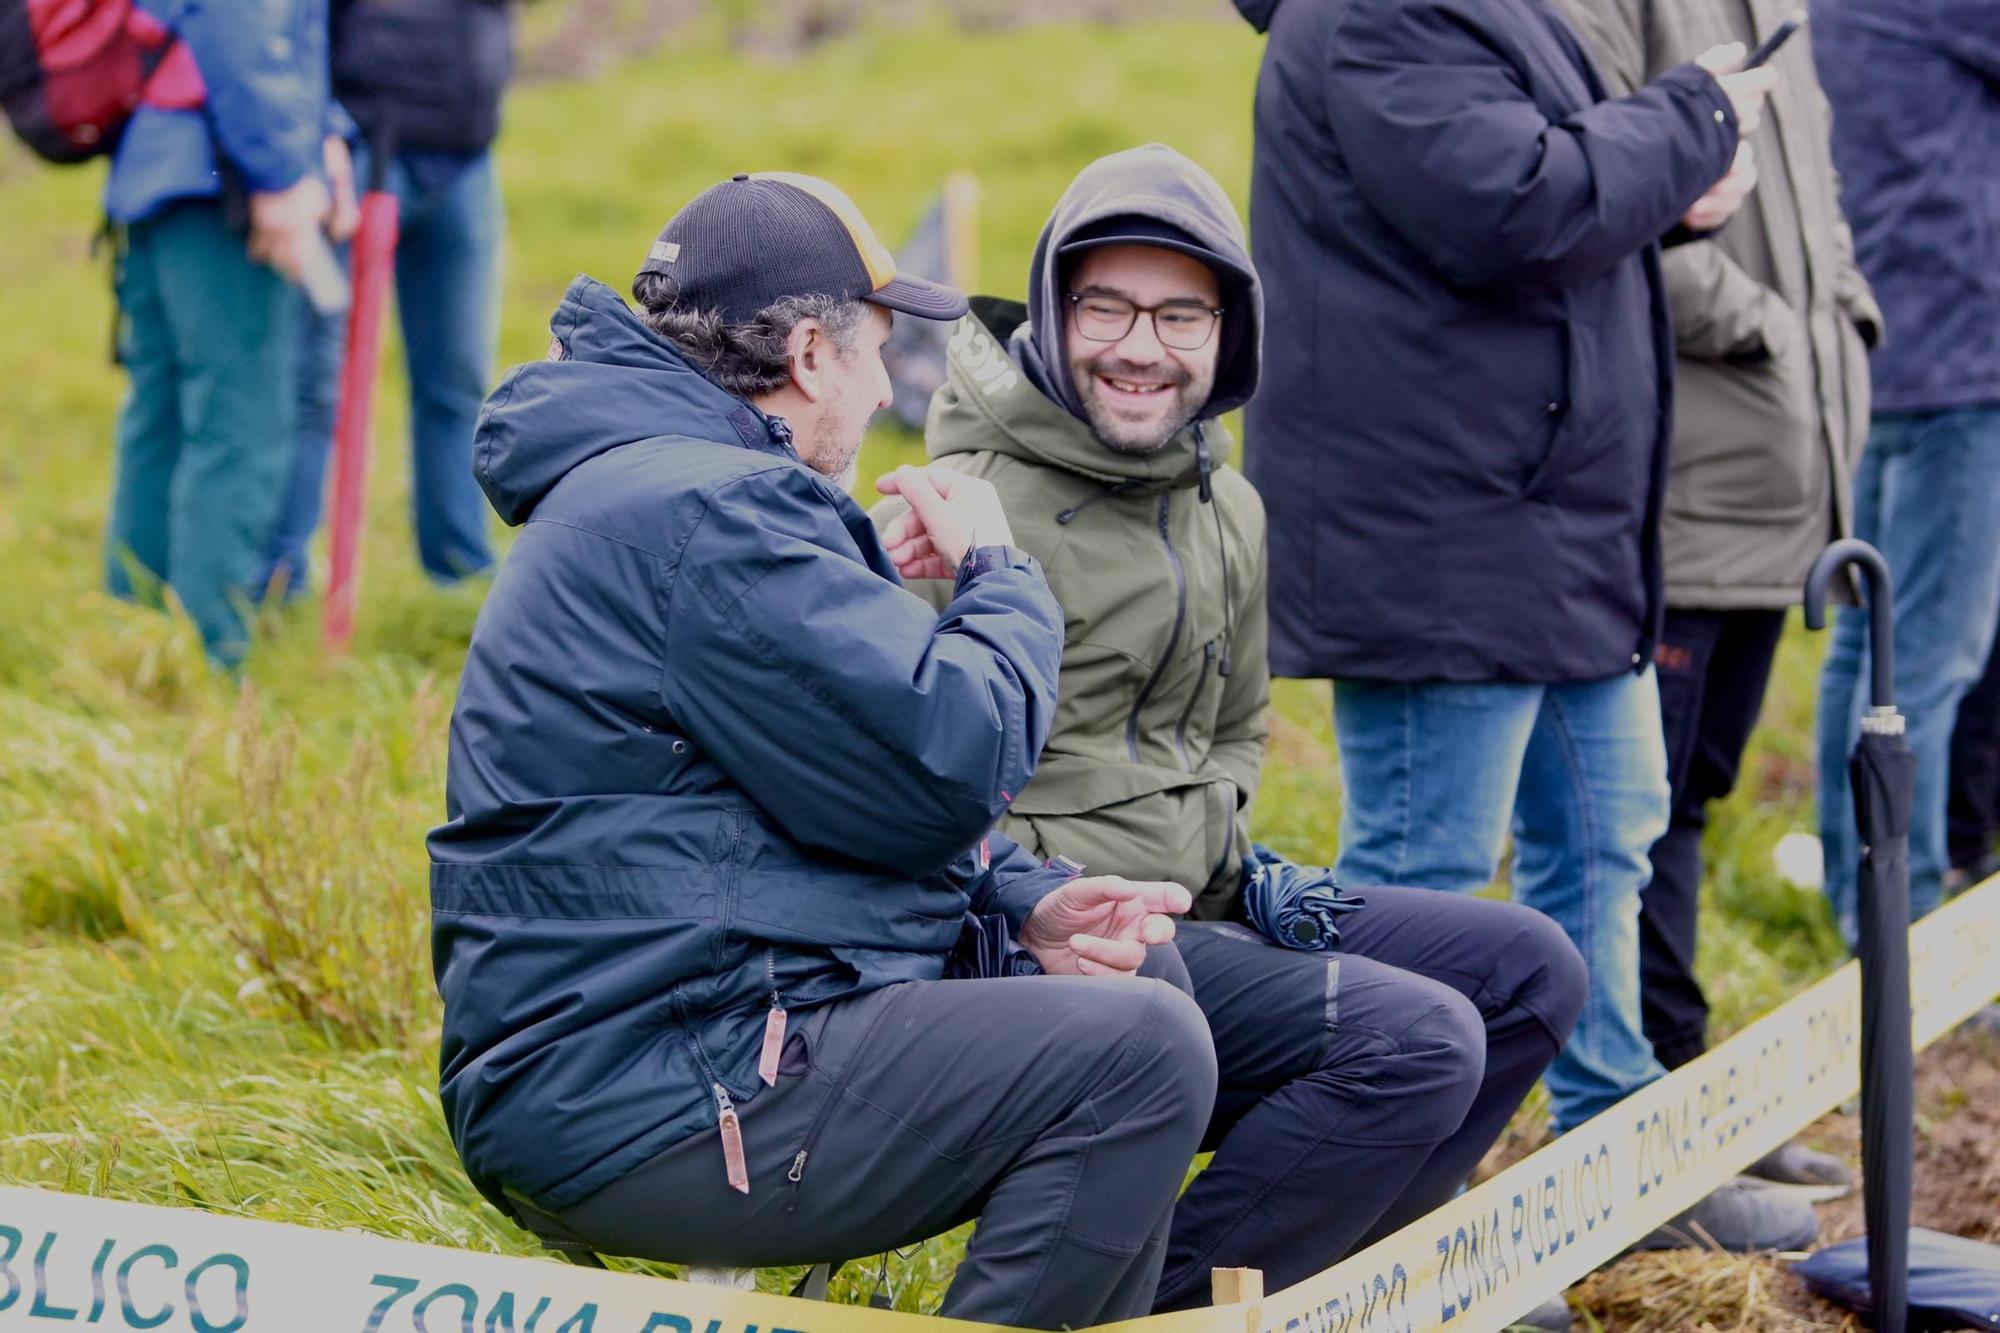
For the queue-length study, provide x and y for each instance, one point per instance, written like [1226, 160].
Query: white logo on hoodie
[991, 369]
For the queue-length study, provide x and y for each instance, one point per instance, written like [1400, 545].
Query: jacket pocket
[1744, 434]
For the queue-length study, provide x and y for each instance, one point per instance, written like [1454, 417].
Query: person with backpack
[222, 179]
[423, 81]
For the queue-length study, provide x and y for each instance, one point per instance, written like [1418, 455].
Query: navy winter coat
[707, 754]
[1915, 87]
[424, 74]
[1462, 431]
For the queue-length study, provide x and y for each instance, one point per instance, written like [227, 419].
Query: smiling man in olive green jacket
[1092, 411]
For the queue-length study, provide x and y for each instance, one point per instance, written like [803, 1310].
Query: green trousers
[205, 434]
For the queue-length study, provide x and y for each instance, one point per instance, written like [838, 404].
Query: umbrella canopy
[1883, 774]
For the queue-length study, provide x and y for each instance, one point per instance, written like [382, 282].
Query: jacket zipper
[797, 1173]
[1228, 828]
[1180, 730]
[1173, 638]
[734, 1164]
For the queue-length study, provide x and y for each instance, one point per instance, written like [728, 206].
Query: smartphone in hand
[1779, 36]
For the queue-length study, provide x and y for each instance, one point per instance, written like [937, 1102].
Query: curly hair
[745, 359]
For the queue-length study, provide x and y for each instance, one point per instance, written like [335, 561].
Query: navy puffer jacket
[1461, 438]
[707, 754]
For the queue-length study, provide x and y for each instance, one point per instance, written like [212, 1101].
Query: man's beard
[1188, 398]
[833, 457]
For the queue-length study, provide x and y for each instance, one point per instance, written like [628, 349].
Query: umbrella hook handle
[1881, 613]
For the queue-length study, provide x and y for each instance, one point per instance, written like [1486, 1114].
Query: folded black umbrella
[1883, 774]
[1297, 906]
[1954, 1282]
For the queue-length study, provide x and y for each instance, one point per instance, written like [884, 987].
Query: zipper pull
[731, 1128]
[1201, 457]
[798, 1171]
[774, 1043]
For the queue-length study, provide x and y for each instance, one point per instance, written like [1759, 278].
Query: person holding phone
[220, 191]
[1462, 446]
[1772, 322]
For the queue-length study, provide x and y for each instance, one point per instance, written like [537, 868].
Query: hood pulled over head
[1169, 200]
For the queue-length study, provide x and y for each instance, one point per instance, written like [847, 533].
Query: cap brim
[1218, 262]
[920, 297]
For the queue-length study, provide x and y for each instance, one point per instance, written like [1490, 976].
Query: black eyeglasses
[1181, 325]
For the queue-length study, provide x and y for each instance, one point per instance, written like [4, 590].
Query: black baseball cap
[762, 236]
[1138, 229]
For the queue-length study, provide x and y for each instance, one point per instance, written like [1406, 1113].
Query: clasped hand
[1102, 925]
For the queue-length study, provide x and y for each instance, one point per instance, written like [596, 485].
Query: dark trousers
[1062, 1112]
[1972, 816]
[1713, 667]
[1359, 1089]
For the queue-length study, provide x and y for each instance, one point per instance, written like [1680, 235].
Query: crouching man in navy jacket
[720, 800]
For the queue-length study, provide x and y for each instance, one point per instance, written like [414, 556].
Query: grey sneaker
[1792, 1163]
[1742, 1216]
[1551, 1316]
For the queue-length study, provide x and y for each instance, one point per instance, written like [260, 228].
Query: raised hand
[1745, 88]
[949, 514]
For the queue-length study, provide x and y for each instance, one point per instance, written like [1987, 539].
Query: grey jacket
[1772, 320]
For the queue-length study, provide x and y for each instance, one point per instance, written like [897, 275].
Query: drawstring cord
[1221, 546]
[1118, 489]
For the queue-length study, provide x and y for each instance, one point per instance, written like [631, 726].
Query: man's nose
[1141, 344]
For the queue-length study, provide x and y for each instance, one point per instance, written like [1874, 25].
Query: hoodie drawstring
[1118, 488]
[1221, 546]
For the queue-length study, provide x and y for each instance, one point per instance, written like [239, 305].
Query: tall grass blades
[315, 878]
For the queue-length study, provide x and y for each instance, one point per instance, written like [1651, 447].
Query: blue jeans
[1436, 771]
[1927, 494]
[446, 260]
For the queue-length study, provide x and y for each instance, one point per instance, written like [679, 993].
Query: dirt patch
[1957, 1191]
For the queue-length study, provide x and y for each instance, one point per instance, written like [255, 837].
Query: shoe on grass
[1743, 1216]
[1792, 1163]
[1551, 1316]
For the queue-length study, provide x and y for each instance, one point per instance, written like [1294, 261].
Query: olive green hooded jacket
[1157, 559]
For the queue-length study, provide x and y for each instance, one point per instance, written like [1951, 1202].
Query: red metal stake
[374, 262]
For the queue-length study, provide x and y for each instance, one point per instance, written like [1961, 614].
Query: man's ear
[808, 349]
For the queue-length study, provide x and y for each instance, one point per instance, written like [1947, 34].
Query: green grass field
[214, 979]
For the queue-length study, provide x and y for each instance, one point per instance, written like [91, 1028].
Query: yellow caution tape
[70, 1261]
[1497, 1250]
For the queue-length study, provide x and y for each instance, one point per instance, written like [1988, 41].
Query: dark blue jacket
[1461, 436]
[425, 74]
[1915, 87]
[257, 107]
[707, 752]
